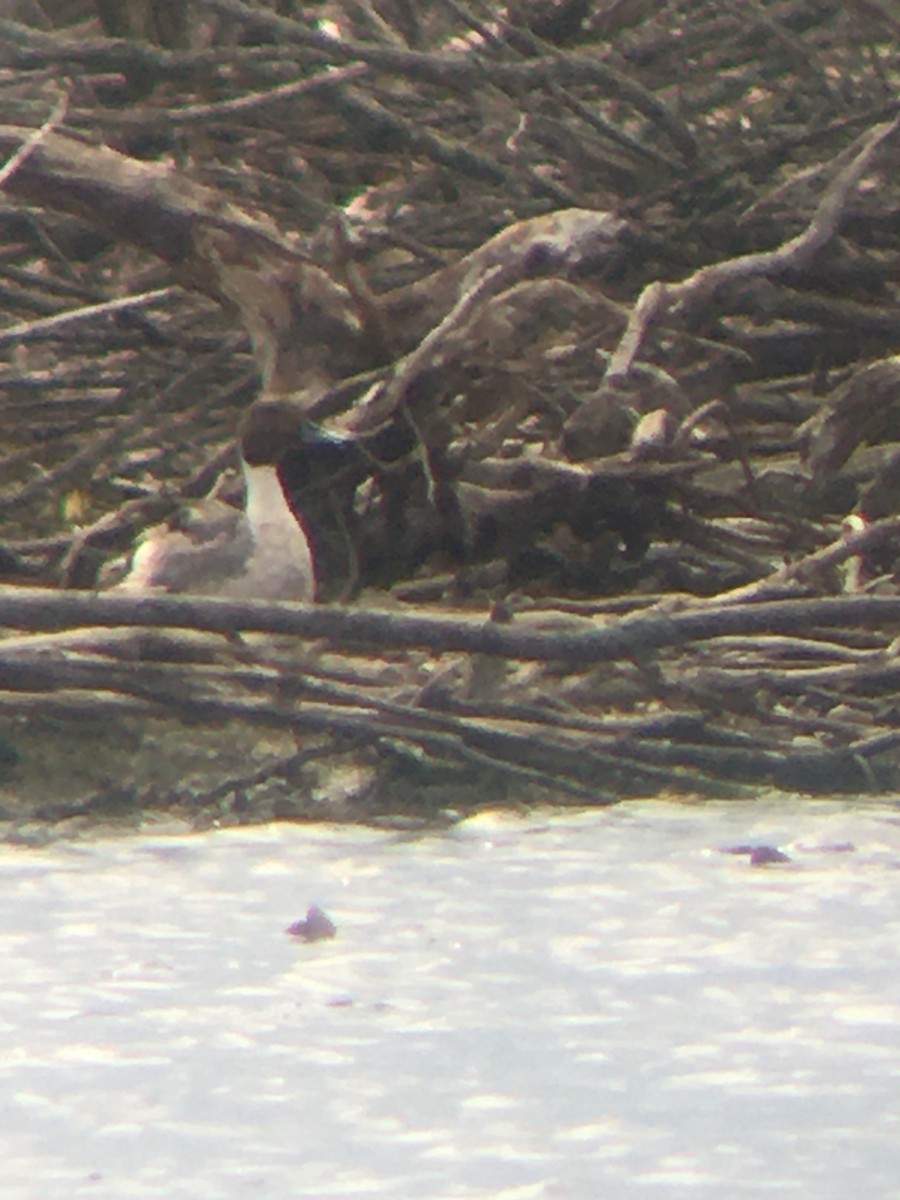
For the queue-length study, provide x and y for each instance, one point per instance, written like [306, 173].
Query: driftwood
[762, 655]
[596, 390]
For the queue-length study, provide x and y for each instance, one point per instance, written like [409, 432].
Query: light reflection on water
[560, 1008]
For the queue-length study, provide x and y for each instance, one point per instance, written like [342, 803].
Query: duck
[210, 548]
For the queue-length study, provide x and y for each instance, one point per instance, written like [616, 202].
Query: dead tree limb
[660, 298]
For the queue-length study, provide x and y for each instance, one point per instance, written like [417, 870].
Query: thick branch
[635, 636]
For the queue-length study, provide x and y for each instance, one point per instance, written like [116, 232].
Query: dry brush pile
[587, 313]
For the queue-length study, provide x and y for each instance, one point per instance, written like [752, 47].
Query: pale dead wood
[660, 298]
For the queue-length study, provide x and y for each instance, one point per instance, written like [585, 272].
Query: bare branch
[659, 298]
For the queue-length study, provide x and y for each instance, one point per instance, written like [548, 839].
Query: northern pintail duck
[212, 549]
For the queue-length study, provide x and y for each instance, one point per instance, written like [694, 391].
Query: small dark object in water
[761, 856]
[315, 927]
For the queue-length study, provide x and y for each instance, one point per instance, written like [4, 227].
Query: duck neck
[266, 506]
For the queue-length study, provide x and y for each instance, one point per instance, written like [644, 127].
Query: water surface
[559, 1007]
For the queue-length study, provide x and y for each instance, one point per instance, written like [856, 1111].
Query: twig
[796, 575]
[431, 353]
[464, 71]
[31, 143]
[194, 114]
[92, 452]
[32, 331]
